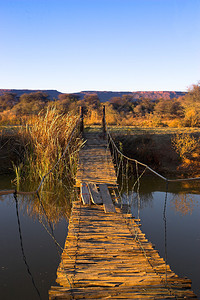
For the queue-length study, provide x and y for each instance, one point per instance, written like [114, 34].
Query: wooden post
[104, 121]
[81, 117]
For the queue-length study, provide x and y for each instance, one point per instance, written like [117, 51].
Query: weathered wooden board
[106, 255]
[95, 196]
[85, 194]
[107, 201]
[107, 261]
[95, 162]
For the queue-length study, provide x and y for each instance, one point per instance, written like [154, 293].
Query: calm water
[39, 248]
[183, 237]
[182, 224]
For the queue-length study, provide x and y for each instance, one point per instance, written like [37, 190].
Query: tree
[193, 95]
[116, 101]
[143, 107]
[66, 102]
[127, 98]
[122, 104]
[92, 100]
[7, 101]
[191, 103]
[31, 103]
[169, 108]
[68, 98]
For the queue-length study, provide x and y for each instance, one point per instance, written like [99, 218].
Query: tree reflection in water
[146, 199]
[183, 203]
[182, 194]
[51, 205]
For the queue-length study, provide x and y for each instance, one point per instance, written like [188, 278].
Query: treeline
[32, 103]
[125, 110]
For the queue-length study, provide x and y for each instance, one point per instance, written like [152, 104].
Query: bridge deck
[95, 162]
[106, 261]
[107, 255]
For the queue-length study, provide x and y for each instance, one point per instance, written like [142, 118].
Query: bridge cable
[115, 150]
[144, 165]
[22, 248]
[165, 230]
[50, 225]
[54, 239]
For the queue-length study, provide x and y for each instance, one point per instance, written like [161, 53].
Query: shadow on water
[170, 218]
[33, 230]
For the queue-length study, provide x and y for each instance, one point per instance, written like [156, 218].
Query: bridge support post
[81, 119]
[104, 122]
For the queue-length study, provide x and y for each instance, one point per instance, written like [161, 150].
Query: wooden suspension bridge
[106, 255]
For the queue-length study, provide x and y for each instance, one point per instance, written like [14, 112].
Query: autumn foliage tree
[66, 103]
[191, 102]
[169, 108]
[143, 107]
[123, 104]
[31, 103]
[7, 101]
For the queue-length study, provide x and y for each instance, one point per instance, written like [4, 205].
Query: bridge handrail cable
[144, 165]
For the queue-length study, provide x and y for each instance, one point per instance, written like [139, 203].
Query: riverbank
[11, 150]
[154, 147]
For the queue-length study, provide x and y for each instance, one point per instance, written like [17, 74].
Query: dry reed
[45, 137]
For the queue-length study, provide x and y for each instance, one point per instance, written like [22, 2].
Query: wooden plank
[101, 258]
[95, 196]
[85, 194]
[109, 262]
[95, 163]
[107, 201]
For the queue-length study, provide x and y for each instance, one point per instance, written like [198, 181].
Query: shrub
[175, 123]
[191, 118]
[184, 144]
[7, 117]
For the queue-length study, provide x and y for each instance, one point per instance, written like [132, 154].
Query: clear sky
[111, 45]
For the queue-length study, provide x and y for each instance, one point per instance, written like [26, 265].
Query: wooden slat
[107, 255]
[95, 196]
[95, 162]
[107, 201]
[85, 194]
[106, 261]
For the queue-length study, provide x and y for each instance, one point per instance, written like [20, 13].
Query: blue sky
[118, 45]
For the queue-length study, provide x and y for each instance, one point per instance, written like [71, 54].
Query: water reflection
[22, 249]
[171, 221]
[183, 203]
[30, 252]
[53, 204]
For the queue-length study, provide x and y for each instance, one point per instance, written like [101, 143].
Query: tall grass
[44, 140]
[45, 137]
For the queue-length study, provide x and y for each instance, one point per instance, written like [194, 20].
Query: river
[178, 237]
[172, 223]
[41, 254]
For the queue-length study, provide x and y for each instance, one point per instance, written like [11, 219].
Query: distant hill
[52, 93]
[103, 95]
[106, 96]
